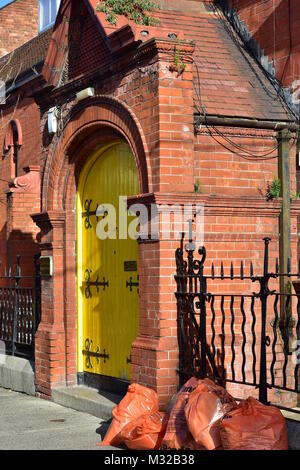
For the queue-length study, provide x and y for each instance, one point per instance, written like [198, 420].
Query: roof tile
[25, 57]
[228, 78]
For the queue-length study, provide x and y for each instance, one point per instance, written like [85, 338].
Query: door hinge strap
[88, 213]
[97, 354]
[88, 283]
[132, 284]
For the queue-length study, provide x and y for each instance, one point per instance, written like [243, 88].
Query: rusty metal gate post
[16, 305]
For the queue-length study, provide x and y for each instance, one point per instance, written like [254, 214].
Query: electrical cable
[249, 155]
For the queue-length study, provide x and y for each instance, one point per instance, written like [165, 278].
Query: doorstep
[293, 425]
[88, 400]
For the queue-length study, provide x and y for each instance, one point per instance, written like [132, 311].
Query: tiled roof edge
[25, 44]
[255, 50]
[5, 60]
[25, 76]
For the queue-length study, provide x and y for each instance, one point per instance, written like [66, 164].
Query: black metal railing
[19, 310]
[235, 335]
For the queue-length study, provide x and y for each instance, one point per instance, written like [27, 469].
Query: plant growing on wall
[135, 10]
[197, 187]
[178, 64]
[273, 189]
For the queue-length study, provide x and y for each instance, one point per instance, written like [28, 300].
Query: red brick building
[18, 24]
[199, 116]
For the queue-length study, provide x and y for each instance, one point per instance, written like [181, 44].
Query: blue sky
[4, 2]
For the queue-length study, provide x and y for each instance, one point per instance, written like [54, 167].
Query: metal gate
[19, 310]
[228, 331]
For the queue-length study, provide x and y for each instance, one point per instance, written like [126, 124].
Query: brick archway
[91, 123]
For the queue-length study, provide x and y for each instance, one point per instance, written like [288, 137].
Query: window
[47, 13]
[12, 144]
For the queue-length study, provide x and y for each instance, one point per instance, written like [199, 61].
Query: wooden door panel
[109, 299]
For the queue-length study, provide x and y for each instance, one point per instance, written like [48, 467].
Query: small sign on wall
[46, 266]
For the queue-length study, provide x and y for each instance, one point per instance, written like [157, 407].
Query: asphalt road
[29, 423]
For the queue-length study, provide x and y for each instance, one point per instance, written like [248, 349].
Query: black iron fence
[19, 310]
[228, 331]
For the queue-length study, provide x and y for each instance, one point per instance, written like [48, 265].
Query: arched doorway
[107, 268]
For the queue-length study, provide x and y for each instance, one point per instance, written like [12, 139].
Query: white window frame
[42, 26]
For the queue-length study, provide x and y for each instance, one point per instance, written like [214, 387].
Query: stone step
[88, 400]
[17, 374]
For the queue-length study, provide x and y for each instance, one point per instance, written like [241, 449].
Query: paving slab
[32, 423]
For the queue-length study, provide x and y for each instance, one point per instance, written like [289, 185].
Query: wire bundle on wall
[237, 149]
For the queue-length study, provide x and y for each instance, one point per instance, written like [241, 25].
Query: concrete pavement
[30, 423]
[35, 424]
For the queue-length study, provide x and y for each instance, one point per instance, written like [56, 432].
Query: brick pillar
[23, 196]
[50, 349]
[155, 350]
[176, 119]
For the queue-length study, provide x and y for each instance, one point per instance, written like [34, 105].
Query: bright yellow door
[108, 296]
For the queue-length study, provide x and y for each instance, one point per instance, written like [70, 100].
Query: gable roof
[24, 59]
[226, 76]
[229, 80]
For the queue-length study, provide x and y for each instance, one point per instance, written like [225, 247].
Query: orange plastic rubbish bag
[138, 401]
[145, 432]
[207, 404]
[254, 426]
[177, 435]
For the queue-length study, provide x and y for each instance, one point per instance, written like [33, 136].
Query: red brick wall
[21, 230]
[17, 231]
[19, 23]
[268, 22]
[224, 169]
[86, 45]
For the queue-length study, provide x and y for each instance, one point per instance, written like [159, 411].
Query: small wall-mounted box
[52, 120]
[46, 266]
[86, 93]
